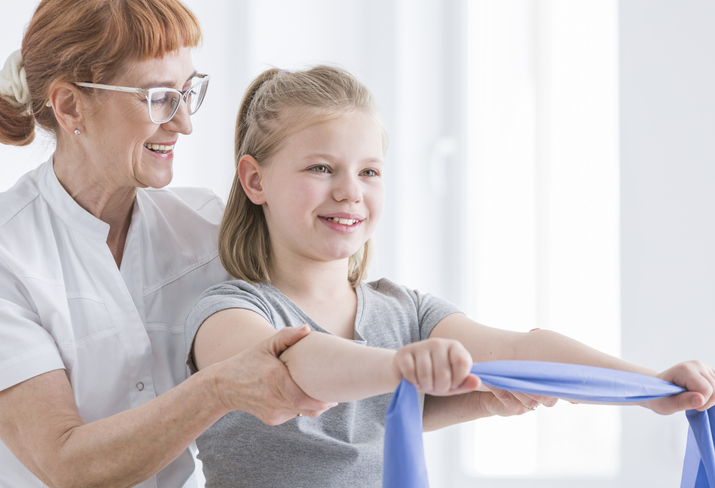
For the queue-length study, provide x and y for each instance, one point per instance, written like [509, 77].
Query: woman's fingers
[510, 404]
[518, 403]
[257, 382]
[284, 338]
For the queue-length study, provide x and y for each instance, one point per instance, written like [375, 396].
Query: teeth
[158, 147]
[343, 221]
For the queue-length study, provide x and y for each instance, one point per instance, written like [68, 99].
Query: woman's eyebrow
[167, 84]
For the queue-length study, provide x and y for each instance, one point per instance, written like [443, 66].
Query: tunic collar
[71, 213]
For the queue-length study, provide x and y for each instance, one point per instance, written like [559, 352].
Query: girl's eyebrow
[325, 156]
[332, 158]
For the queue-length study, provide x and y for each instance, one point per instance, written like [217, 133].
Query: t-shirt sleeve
[430, 311]
[26, 348]
[231, 294]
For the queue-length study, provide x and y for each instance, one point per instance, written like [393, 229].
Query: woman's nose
[181, 121]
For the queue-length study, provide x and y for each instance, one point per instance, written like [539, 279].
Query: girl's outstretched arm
[490, 344]
[332, 369]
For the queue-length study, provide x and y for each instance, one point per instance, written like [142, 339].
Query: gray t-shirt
[342, 447]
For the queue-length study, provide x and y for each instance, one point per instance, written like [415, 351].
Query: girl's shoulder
[262, 298]
[393, 294]
[388, 289]
[239, 288]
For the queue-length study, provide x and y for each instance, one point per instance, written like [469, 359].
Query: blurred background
[550, 165]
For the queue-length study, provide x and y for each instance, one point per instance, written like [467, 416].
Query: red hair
[90, 41]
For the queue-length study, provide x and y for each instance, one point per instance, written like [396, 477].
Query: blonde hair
[277, 104]
[90, 41]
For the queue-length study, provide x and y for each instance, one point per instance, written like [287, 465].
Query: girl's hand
[698, 378]
[437, 366]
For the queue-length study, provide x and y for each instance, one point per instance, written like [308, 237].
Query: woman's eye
[320, 169]
[370, 172]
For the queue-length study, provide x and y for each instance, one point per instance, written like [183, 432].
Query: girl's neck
[320, 289]
[303, 279]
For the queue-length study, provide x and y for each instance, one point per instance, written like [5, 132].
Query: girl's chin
[342, 254]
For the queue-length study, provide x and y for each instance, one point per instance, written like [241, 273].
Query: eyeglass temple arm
[111, 87]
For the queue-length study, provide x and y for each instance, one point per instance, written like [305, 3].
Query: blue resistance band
[404, 461]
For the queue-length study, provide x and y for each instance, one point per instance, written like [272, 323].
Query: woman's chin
[159, 178]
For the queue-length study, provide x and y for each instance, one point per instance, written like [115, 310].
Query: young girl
[307, 196]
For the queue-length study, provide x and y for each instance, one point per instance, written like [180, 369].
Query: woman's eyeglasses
[163, 103]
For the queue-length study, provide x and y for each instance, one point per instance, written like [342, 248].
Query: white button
[140, 386]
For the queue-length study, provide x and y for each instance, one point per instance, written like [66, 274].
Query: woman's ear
[65, 101]
[251, 175]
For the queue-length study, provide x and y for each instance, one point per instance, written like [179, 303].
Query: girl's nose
[347, 188]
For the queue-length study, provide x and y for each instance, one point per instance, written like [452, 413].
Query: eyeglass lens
[163, 104]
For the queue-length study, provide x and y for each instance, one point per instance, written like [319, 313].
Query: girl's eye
[370, 172]
[320, 169]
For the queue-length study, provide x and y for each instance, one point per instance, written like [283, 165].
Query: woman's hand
[507, 403]
[437, 366]
[443, 411]
[698, 378]
[257, 382]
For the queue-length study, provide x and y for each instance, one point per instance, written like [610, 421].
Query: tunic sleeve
[26, 348]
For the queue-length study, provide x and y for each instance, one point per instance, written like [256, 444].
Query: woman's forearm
[134, 445]
[440, 412]
[332, 369]
[47, 435]
[40, 422]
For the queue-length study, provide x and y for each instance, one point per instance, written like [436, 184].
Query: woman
[97, 273]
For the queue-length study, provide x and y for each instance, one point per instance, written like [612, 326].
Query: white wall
[409, 53]
[667, 91]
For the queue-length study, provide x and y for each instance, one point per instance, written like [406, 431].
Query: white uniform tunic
[64, 304]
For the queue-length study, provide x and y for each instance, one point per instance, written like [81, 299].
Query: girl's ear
[67, 106]
[251, 173]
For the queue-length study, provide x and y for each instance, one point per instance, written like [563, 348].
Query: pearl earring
[77, 132]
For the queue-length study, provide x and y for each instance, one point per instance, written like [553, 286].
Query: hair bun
[13, 81]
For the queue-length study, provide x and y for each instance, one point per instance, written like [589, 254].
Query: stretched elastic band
[404, 462]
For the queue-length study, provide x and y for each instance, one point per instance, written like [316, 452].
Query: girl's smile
[343, 222]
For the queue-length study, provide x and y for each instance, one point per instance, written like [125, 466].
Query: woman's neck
[97, 196]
